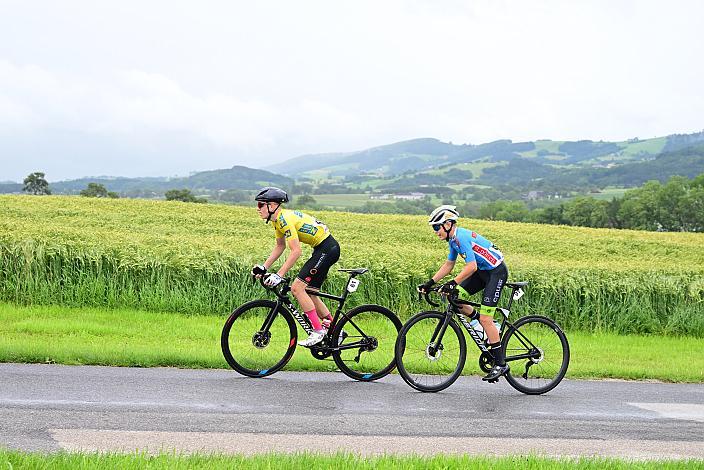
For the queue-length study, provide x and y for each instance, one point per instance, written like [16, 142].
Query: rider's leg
[492, 293]
[316, 270]
[467, 310]
[323, 311]
[298, 288]
[468, 287]
[312, 275]
[320, 307]
[486, 318]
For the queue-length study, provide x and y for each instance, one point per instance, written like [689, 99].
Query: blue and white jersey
[473, 247]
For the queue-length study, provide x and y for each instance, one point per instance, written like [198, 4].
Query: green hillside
[419, 155]
[237, 177]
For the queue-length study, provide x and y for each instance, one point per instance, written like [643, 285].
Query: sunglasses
[436, 227]
[261, 204]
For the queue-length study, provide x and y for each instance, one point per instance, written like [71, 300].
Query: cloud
[219, 83]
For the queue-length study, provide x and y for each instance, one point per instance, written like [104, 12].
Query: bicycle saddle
[516, 284]
[354, 270]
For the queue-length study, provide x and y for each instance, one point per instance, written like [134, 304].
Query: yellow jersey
[292, 224]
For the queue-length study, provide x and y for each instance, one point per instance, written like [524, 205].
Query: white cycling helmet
[442, 214]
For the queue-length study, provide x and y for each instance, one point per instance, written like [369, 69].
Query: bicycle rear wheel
[373, 329]
[249, 347]
[425, 366]
[538, 353]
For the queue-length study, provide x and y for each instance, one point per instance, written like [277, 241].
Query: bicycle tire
[413, 343]
[263, 360]
[381, 327]
[543, 373]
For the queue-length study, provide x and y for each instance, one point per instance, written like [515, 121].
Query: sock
[327, 321]
[314, 319]
[498, 352]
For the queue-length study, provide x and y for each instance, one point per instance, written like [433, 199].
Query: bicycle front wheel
[426, 365]
[252, 347]
[368, 334]
[538, 353]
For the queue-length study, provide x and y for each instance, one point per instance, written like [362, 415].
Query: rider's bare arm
[275, 253]
[444, 270]
[295, 246]
[468, 269]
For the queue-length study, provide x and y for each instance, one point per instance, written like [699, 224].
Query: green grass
[195, 258]
[50, 334]
[651, 146]
[609, 193]
[309, 461]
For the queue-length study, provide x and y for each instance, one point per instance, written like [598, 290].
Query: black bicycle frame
[454, 308]
[282, 299]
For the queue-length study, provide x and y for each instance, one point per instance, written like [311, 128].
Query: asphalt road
[53, 407]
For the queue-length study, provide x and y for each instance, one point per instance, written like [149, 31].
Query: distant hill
[237, 177]
[687, 161]
[421, 155]
[8, 187]
[388, 160]
[431, 166]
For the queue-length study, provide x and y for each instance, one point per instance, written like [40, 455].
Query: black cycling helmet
[271, 194]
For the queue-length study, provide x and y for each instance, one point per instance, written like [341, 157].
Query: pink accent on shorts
[314, 320]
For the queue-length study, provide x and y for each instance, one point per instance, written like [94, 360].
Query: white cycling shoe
[314, 338]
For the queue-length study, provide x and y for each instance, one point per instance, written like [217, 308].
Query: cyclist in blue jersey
[484, 269]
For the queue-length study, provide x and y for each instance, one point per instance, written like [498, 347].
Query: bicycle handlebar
[435, 289]
[284, 283]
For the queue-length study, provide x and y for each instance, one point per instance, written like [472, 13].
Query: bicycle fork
[301, 319]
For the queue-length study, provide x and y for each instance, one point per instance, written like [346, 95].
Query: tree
[97, 190]
[549, 215]
[639, 207]
[183, 195]
[587, 212]
[234, 195]
[35, 184]
[305, 200]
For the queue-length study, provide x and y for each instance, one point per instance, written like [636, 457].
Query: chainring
[486, 362]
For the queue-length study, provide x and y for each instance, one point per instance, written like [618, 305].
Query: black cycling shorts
[315, 270]
[492, 281]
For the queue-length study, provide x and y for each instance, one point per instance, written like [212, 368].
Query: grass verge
[52, 334]
[20, 460]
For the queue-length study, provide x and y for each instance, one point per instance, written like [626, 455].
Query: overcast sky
[160, 88]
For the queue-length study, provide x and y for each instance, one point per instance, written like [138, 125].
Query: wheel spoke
[375, 329]
[546, 370]
[253, 351]
[424, 367]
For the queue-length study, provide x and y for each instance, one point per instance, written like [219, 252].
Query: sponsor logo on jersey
[309, 229]
[486, 254]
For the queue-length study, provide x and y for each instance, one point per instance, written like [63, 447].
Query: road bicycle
[260, 336]
[431, 349]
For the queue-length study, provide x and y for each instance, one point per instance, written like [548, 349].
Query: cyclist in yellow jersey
[293, 228]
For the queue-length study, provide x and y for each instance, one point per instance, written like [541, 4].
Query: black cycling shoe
[495, 373]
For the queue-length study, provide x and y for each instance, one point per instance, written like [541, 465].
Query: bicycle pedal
[493, 381]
